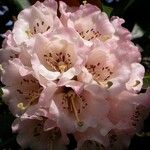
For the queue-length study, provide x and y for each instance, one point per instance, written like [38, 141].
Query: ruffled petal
[32, 135]
[38, 18]
[86, 21]
[136, 79]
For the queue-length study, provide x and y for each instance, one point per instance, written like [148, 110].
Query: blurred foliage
[20, 4]
[133, 11]
[146, 81]
[107, 9]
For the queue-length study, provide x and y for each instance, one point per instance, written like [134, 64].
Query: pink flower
[127, 112]
[22, 89]
[105, 61]
[79, 74]
[88, 21]
[7, 54]
[32, 134]
[135, 82]
[105, 68]
[61, 56]
[39, 18]
[78, 107]
[9, 40]
[90, 139]
[120, 31]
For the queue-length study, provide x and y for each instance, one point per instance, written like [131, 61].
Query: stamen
[58, 61]
[137, 83]
[21, 106]
[51, 62]
[84, 2]
[29, 33]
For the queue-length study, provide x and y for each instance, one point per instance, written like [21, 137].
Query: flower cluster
[78, 73]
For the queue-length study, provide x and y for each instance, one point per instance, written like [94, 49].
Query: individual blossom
[101, 64]
[59, 55]
[128, 110]
[78, 107]
[32, 134]
[22, 90]
[88, 21]
[39, 18]
[90, 139]
[127, 114]
[94, 140]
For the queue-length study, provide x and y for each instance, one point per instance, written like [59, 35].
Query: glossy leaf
[108, 10]
[20, 4]
[146, 82]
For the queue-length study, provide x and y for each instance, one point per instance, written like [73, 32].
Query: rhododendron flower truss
[76, 74]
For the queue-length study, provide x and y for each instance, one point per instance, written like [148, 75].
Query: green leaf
[108, 10]
[20, 4]
[146, 81]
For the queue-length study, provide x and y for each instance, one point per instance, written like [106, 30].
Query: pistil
[72, 97]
